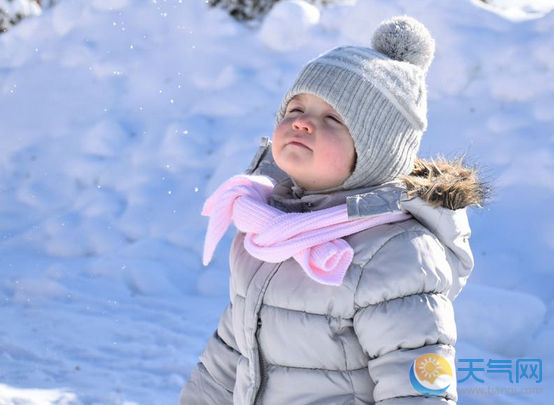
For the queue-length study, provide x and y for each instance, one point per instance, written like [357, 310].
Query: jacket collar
[365, 202]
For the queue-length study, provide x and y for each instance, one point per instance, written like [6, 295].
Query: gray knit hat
[381, 95]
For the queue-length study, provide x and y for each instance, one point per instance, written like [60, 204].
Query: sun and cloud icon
[431, 374]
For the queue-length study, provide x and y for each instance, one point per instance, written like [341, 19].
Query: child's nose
[303, 123]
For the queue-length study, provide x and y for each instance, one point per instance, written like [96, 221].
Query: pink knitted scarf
[313, 239]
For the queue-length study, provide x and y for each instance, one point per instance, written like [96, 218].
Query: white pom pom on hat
[405, 39]
[381, 95]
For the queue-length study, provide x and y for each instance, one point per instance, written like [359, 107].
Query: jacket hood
[437, 195]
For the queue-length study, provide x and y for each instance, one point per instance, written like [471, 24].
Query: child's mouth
[300, 144]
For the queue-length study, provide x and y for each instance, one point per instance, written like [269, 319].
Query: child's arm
[213, 379]
[404, 313]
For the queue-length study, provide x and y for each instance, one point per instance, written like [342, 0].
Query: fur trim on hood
[445, 183]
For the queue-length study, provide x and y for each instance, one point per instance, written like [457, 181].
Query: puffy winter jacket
[285, 339]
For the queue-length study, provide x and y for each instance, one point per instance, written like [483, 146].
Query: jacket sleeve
[403, 312]
[213, 379]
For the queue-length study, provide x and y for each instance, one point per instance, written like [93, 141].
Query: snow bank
[14, 396]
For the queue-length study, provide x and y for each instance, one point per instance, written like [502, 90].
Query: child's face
[312, 144]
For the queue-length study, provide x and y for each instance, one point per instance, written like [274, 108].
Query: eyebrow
[294, 99]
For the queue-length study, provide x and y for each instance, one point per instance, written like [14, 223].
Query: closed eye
[334, 118]
[296, 109]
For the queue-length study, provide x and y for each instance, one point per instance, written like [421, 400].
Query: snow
[118, 118]
[518, 10]
[278, 34]
[507, 334]
[36, 396]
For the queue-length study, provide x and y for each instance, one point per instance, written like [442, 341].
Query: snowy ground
[117, 119]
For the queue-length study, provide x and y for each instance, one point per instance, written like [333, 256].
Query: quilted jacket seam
[306, 312]
[216, 380]
[385, 243]
[318, 368]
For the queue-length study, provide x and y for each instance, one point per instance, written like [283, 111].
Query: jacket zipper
[263, 379]
[263, 382]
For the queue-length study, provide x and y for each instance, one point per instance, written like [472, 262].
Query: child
[350, 251]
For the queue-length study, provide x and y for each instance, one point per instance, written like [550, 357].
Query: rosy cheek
[278, 134]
